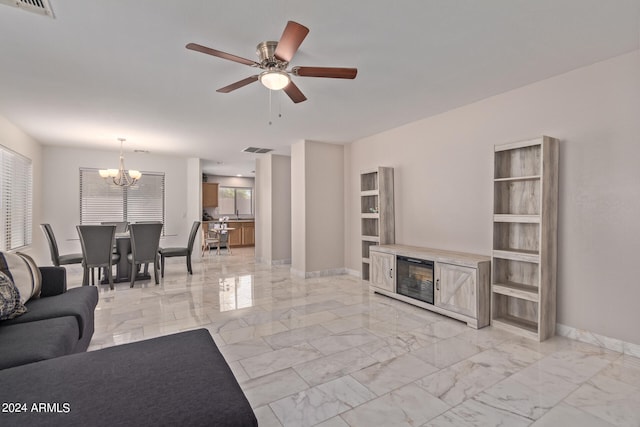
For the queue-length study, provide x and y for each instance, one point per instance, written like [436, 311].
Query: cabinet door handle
[437, 284]
[391, 273]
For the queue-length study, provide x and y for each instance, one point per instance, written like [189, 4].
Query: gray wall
[443, 184]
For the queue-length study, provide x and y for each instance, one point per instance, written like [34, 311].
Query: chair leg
[133, 274]
[110, 275]
[188, 264]
[162, 265]
[85, 276]
[156, 271]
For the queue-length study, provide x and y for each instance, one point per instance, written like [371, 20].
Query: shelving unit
[377, 221]
[524, 259]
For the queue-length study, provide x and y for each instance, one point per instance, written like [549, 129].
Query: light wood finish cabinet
[382, 270]
[209, 194]
[524, 259]
[243, 233]
[456, 288]
[377, 219]
[461, 288]
[248, 234]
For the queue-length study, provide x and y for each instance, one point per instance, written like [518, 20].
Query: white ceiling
[104, 69]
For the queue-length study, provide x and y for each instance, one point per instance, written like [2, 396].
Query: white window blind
[15, 200]
[101, 201]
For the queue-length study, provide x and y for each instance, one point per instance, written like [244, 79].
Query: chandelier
[120, 177]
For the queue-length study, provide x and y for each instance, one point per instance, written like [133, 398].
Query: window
[101, 201]
[235, 200]
[16, 179]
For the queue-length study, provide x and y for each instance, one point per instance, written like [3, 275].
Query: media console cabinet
[454, 284]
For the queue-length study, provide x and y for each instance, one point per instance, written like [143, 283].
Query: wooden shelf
[526, 256]
[516, 290]
[518, 178]
[526, 219]
[517, 326]
[523, 295]
[377, 227]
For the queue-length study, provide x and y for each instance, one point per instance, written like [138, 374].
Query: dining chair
[180, 251]
[97, 248]
[209, 237]
[56, 258]
[223, 238]
[121, 226]
[145, 240]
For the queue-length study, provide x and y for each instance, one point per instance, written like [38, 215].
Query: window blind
[101, 201]
[15, 200]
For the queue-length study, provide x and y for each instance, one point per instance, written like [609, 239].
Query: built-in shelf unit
[523, 280]
[377, 221]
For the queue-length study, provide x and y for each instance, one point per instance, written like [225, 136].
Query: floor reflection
[236, 292]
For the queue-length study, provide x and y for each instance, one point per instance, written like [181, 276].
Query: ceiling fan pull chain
[270, 107]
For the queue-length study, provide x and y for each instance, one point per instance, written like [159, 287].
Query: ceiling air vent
[256, 150]
[41, 7]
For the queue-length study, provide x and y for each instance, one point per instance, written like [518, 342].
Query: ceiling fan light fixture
[275, 79]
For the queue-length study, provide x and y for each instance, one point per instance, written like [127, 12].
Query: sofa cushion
[34, 341]
[76, 302]
[179, 379]
[10, 305]
[24, 273]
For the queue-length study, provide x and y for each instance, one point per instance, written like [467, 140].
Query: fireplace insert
[415, 278]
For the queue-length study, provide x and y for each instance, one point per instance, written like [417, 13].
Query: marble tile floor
[325, 351]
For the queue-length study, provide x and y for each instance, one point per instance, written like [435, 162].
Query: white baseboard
[589, 337]
[273, 261]
[320, 273]
[354, 273]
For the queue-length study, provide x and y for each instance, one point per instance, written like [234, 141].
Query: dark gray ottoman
[175, 380]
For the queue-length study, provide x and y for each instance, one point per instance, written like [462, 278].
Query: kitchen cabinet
[209, 194]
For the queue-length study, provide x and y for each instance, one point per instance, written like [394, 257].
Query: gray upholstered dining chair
[180, 251]
[56, 258]
[145, 240]
[97, 248]
[121, 226]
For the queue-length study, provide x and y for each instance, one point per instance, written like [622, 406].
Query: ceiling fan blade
[330, 72]
[290, 41]
[238, 84]
[294, 93]
[220, 54]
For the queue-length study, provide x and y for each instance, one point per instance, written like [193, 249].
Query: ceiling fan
[274, 60]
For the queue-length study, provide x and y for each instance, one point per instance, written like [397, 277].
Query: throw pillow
[10, 305]
[37, 275]
[18, 269]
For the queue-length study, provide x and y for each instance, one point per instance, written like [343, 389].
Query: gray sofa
[174, 380]
[59, 323]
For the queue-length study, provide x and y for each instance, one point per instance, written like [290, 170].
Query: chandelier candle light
[119, 176]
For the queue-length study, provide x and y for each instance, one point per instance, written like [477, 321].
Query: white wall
[61, 190]
[18, 141]
[273, 209]
[443, 190]
[263, 201]
[317, 200]
[298, 209]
